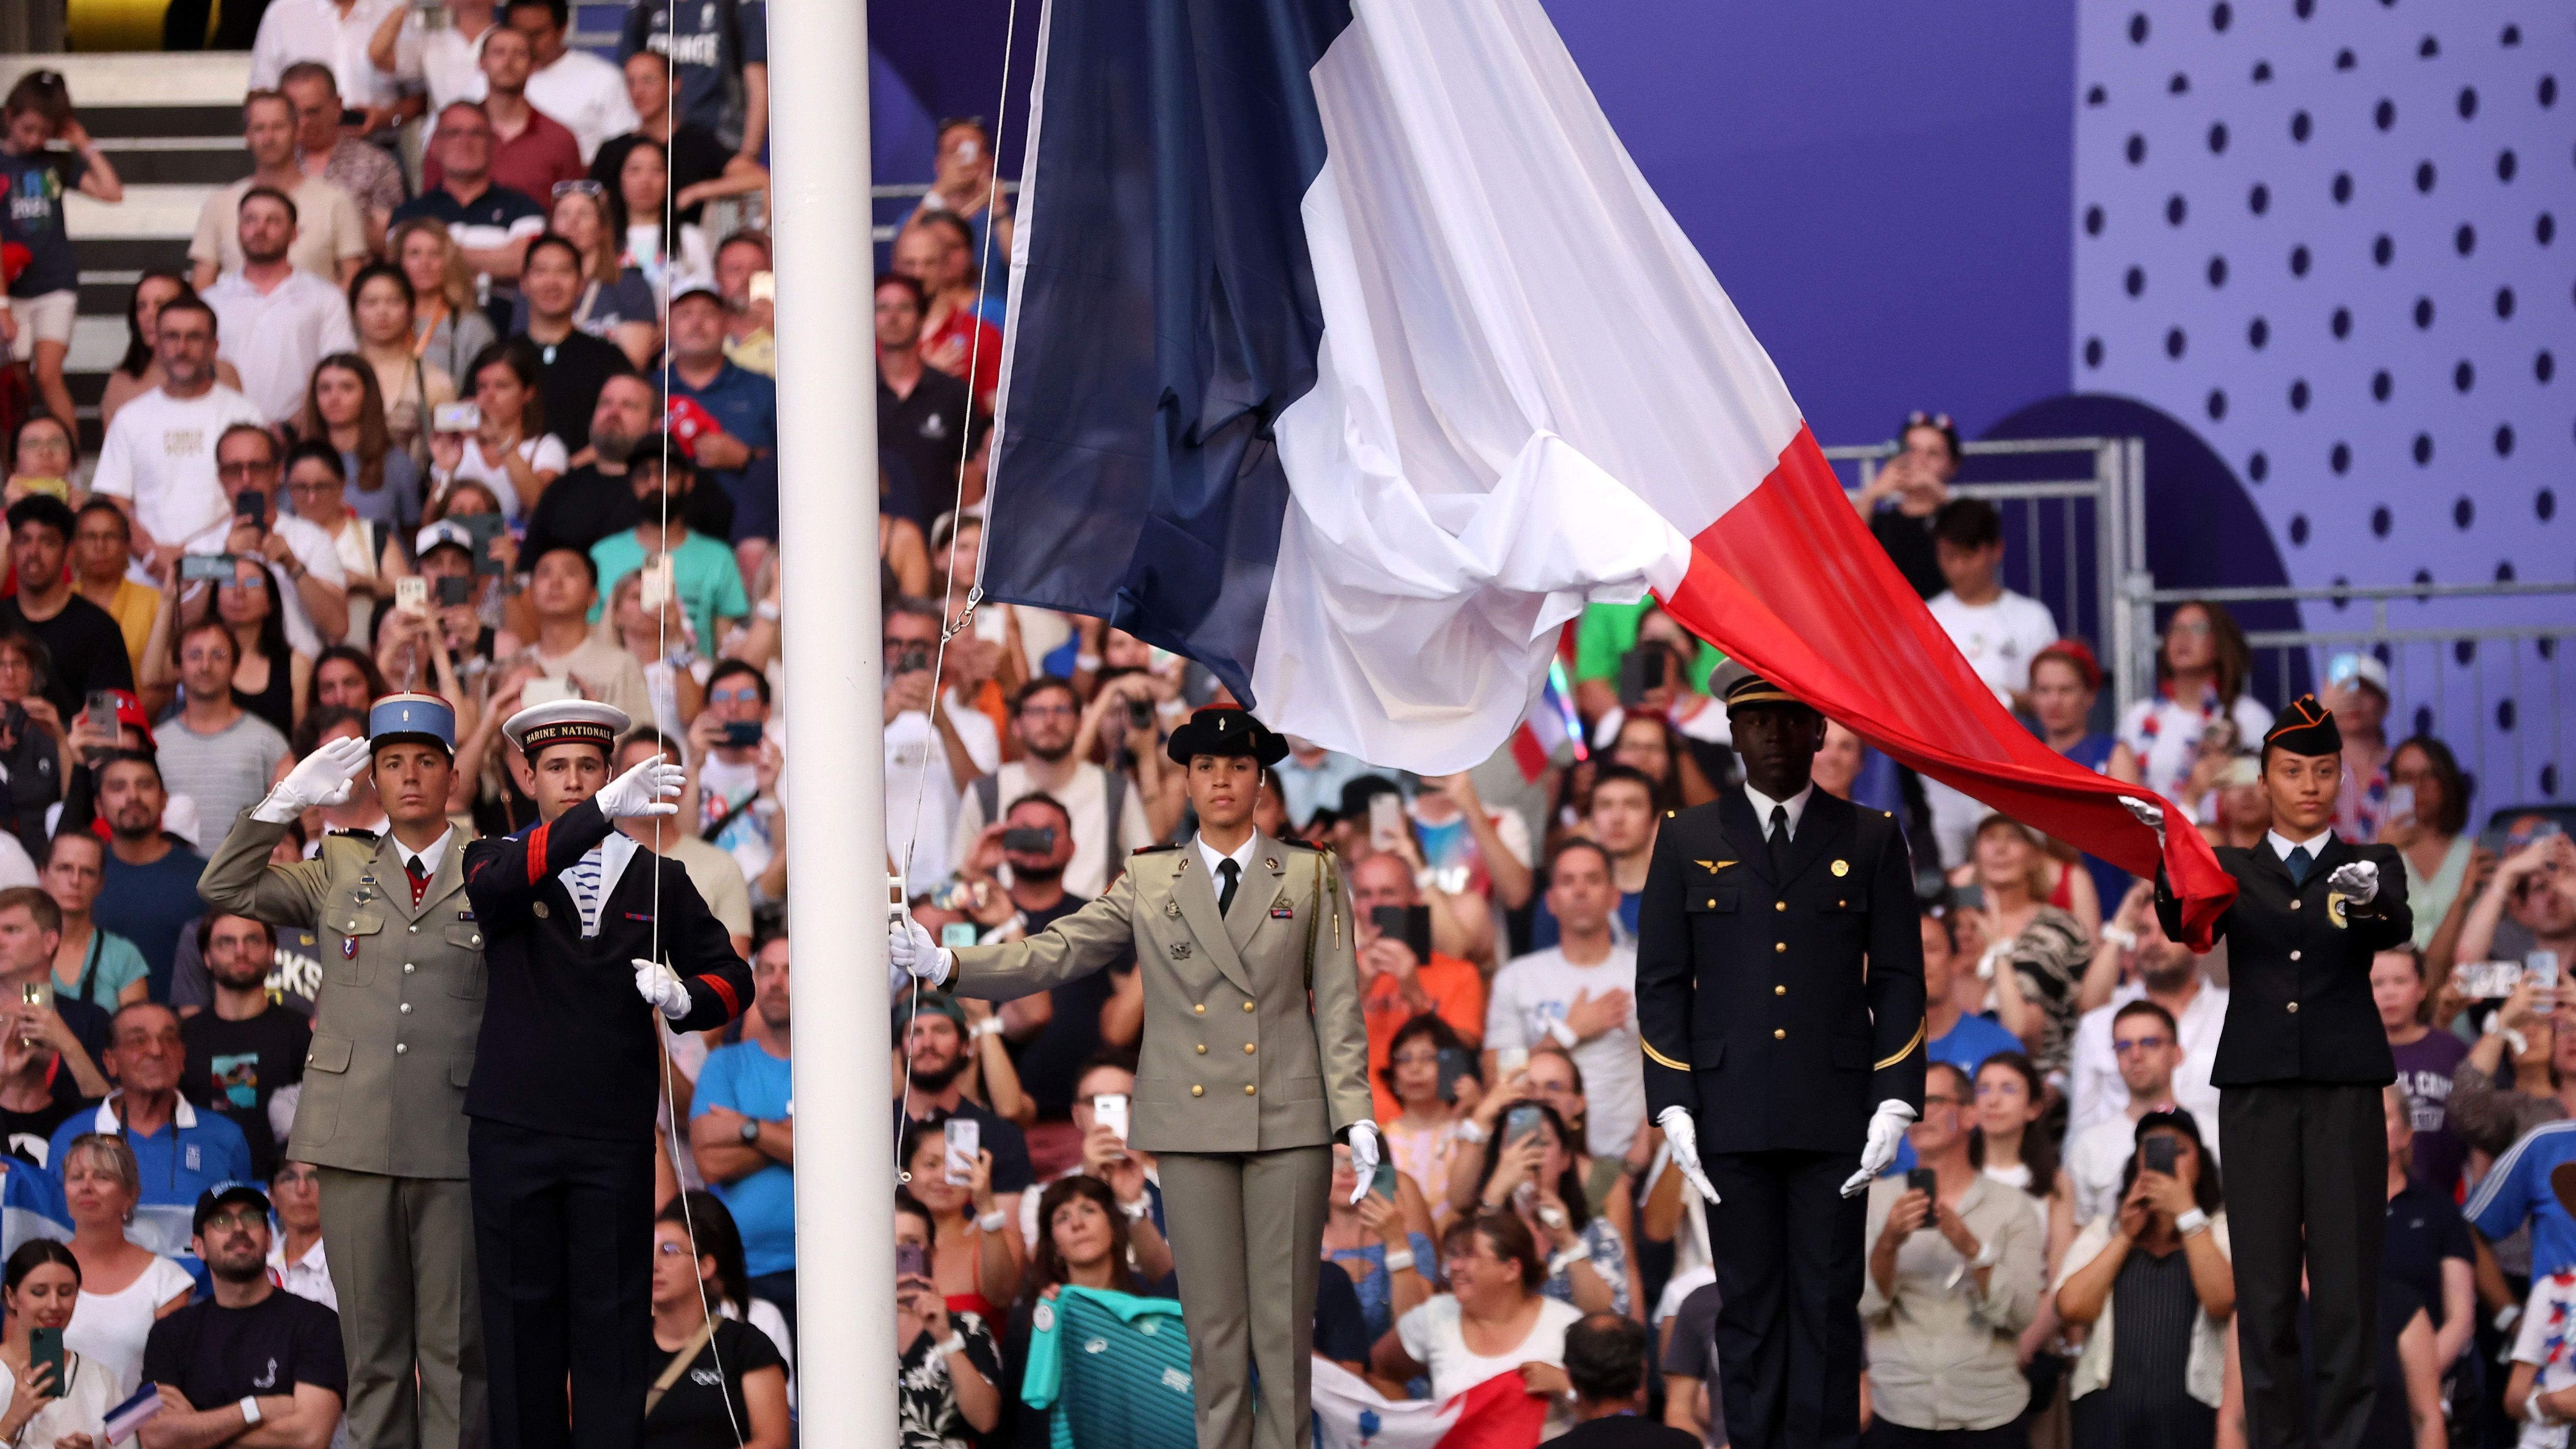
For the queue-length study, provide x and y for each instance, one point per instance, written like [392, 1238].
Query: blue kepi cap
[399, 717]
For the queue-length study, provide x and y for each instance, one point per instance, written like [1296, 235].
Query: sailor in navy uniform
[565, 1085]
[1780, 1003]
[2301, 1061]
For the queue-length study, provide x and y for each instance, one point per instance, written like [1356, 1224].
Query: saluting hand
[651, 788]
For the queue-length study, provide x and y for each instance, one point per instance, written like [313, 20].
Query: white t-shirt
[916, 761]
[544, 453]
[275, 338]
[1532, 992]
[2165, 736]
[1430, 1334]
[298, 30]
[2543, 1339]
[443, 61]
[109, 1328]
[92, 1390]
[1086, 799]
[587, 95]
[2000, 637]
[159, 455]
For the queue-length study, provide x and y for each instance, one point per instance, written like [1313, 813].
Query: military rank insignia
[348, 948]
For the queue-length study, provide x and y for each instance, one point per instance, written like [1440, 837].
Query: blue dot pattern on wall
[2325, 237]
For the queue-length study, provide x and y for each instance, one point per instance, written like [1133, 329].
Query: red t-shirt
[953, 345]
[529, 163]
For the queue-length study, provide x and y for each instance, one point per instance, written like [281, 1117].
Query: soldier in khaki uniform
[1244, 1080]
[382, 1115]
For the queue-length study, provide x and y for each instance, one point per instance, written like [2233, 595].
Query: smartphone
[1968, 898]
[2401, 803]
[991, 624]
[454, 589]
[956, 934]
[2540, 971]
[455, 417]
[2242, 773]
[1386, 820]
[1029, 840]
[965, 1140]
[206, 567]
[1109, 1109]
[45, 1346]
[912, 659]
[411, 592]
[483, 527]
[1140, 715]
[1409, 924]
[911, 1260]
[1382, 1182]
[1508, 1060]
[741, 734]
[2157, 1153]
[655, 591]
[31, 993]
[2219, 738]
[1455, 1062]
[2487, 980]
[764, 287]
[102, 709]
[1923, 1180]
[1522, 1121]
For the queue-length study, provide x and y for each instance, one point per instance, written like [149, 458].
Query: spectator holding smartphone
[1900, 499]
[949, 1389]
[65, 1397]
[2177, 742]
[1430, 1071]
[1381, 1242]
[1955, 1272]
[2153, 1275]
[1533, 1173]
[2529, 905]
[1014, 873]
[1401, 976]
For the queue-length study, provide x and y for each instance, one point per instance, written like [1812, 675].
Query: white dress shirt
[2314, 845]
[276, 337]
[1763, 805]
[428, 856]
[1242, 858]
[2094, 1090]
[297, 30]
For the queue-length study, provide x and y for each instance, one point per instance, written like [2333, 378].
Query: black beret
[1224, 729]
[2305, 728]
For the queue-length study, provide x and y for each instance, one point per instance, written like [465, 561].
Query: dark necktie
[418, 877]
[1233, 873]
[1779, 842]
[2298, 862]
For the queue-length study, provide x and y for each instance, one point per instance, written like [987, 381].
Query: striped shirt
[2516, 1190]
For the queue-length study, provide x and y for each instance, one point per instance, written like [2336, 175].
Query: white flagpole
[836, 818]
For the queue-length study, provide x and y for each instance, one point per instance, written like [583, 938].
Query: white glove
[1886, 1129]
[912, 949]
[651, 788]
[2357, 880]
[2149, 815]
[1365, 1156]
[1681, 1134]
[657, 983]
[320, 778]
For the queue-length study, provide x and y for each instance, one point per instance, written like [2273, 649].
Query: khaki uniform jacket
[1236, 1055]
[401, 1002]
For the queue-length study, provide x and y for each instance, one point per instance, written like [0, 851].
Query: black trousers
[1789, 1265]
[2307, 1178]
[1887, 1434]
[563, 1234]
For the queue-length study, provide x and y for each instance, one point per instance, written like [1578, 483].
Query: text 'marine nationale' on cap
[562, 721]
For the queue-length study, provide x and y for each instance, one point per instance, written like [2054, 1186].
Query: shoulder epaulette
[363, 837]
[1158, 849]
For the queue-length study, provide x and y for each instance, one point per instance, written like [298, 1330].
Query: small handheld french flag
[133, 1414]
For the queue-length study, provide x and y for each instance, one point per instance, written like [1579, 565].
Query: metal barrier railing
[2071, 534]
[2455, 669]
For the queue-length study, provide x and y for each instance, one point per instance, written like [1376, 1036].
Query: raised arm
[502, 876]
[240, 879]
[1091, 939]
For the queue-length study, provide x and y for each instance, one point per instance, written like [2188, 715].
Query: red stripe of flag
[1790, 581]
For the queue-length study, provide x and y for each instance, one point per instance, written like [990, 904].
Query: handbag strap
[679, 1364]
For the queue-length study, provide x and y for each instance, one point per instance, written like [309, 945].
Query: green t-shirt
[703, 571]
[1606, 633]
[110, 964]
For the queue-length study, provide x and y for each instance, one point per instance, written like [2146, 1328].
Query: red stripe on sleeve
[537, 853]
[724, 988]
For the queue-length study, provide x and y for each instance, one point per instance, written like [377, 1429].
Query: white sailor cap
[583, 720]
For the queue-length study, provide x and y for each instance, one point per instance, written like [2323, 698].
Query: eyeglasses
[2000, 1089]
[1049, 711]
[2124, 1045]
[744, 695]
[244, 470]
[1935, 1099]
[583, 187]
[317, 487]
[1414, 1059]
[671, 1250]
[240, 1219]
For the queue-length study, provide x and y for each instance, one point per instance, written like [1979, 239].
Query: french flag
[1496, 1414]
[1352, 356]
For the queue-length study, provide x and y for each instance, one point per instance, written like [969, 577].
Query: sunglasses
[2138, 1043]
[582, 187]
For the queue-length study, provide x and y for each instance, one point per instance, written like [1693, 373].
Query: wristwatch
[750, 1131]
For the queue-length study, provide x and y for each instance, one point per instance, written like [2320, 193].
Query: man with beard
[1108, 819]
[275, 319]
[256, 1355]
[1060, 1031]
[2160, 969]
[151, 886]
[594, 500]
[931, 1028]
[395, 1019]
[157, 464]
[247, 1049]
[743, 1132]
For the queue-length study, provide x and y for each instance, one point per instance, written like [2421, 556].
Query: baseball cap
[445, 531]
[223, 1195]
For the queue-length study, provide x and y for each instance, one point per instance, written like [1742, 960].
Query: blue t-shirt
[745, 1078]
[746, 404]
[1968, 1044]
[2517, 1189]
[147, 904]
[34, 219]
